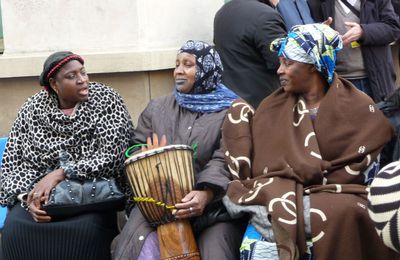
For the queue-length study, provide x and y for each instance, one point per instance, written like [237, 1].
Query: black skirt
[85, 237]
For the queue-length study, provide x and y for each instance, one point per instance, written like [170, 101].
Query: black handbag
[73, 197]
[213, 213]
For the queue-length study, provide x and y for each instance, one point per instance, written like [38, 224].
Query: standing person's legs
[396, 60]
[363, 85]
[222, 240]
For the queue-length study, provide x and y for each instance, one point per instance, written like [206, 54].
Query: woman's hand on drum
[193, 204]
[153, 143]
[40, 194]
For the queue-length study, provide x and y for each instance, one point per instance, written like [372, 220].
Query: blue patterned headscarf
[208, 93]
[313, 44]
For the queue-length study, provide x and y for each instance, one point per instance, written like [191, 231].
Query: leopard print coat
[94, 137]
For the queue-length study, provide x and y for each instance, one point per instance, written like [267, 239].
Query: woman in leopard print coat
[90, 123]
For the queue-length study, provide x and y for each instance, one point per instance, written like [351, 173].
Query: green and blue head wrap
[312, 44]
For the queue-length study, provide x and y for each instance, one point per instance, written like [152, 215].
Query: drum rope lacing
[151, 200]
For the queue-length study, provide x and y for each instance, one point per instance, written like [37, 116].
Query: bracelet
[127, 152]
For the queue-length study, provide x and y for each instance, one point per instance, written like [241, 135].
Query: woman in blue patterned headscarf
[207, 94]
[191, 115]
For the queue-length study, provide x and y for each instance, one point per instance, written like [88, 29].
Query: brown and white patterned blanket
[278, 154]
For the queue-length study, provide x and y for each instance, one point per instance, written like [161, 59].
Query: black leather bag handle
[352, 8]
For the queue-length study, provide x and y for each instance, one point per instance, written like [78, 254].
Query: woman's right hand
[37, 214]
[193, 204]
[40, 194]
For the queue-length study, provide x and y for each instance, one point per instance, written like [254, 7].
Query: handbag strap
[352, 8]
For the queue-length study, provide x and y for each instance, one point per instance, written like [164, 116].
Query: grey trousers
[219, 241]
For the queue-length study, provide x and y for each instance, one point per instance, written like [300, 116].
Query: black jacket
[391, 108]
[243, 32]
[380, 28]
[396, 6]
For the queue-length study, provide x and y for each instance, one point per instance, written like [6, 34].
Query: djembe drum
[159, 179]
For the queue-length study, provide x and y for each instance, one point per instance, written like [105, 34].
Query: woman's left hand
[40, 193]
[193, 204]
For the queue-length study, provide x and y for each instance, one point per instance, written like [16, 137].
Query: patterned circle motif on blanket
[285, 202]
[323, 218]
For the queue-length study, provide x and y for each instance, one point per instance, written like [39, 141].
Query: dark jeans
[363, 85]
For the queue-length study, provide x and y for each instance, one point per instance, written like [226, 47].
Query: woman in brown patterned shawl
[299, 161]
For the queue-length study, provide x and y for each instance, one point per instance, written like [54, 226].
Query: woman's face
[294, 76]
[185, 72]
[71, 84]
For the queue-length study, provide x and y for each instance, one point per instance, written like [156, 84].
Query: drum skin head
[148, 153]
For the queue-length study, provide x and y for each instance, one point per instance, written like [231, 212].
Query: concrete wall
[128, 44]
[113, 35]
[104, 25]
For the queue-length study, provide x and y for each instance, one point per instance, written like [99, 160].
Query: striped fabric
[384, 204]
